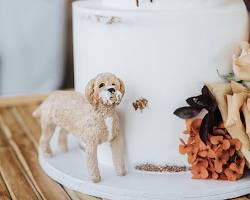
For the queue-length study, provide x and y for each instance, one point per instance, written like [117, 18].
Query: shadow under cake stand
[70, 170]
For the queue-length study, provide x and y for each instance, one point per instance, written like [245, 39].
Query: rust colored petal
[225, 144]
[215, 175]
[225, 157]
[218, 166]
[201, 162]
[216, 139]
[231, 175]
[238, 167]
[195, 125]
[222, 176]
[188, 125]
[182, 149]
[203, 153]
[199, 172]
[192, 155]
[236, 144]
[211, 153]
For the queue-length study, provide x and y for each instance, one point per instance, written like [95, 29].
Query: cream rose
[241, 63]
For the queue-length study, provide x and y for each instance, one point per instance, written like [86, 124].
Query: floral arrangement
[218, 144]
[218, 159]
[211, 151]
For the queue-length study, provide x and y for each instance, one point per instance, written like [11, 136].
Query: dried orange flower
[221, 142]
[192, 155]
[214, 175]
[199, 172]
[238, 166]
[195, 126]
[201, 162]
[218, 158]
[183, 147]
[235, 170]
[235, 146]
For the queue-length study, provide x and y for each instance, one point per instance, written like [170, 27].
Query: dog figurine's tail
[37, 112]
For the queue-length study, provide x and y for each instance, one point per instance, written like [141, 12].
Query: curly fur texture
[91, 118]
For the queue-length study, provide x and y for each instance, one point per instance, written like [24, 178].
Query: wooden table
[21, 177]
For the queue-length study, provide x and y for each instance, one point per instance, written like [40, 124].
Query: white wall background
[32, 45]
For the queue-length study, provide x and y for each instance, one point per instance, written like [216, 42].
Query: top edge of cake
[155, 5]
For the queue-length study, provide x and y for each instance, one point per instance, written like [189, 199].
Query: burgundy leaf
[204, 129]
[217, 117]
[187, 112]
[209, 99]
[247, 2]
[197, 102]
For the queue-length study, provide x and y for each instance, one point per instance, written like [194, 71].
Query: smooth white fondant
[161, 4]
[164, 57]
[69, 169]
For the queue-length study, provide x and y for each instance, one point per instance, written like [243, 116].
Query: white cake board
[69, 170]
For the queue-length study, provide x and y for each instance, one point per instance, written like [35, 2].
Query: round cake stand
[69, 170]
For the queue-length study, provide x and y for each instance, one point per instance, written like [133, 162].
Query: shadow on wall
[35, 38]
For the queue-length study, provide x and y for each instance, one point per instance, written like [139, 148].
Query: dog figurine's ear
[89, 92]
[122, 87]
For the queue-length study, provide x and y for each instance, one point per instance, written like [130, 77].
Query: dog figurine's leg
[118, 155]
[47, 133]
[92, 162]
[62, 140]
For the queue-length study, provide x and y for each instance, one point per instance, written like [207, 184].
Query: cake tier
[161, 4]
[163, 57]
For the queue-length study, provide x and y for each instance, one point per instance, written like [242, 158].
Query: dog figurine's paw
[64, 148]
[47, 152]
[121, 172]
[96, 179]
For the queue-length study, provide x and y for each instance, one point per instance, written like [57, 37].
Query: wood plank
[21, 100]
[14, 177]
[4, 193]
[86, 197]
[28, 123]
[79, 196]
[11, 171]
[241, 198]
[30, 108]
[27, 154]
[71, 193]
[3, 139]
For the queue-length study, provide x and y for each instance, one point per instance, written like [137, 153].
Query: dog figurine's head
[105, 88]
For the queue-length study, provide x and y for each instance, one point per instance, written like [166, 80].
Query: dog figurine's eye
[113, 84]
[101, 85]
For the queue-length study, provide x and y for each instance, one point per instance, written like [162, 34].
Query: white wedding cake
[164, 50]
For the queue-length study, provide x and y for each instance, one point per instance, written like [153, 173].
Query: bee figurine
[138, 2]
[140, 104]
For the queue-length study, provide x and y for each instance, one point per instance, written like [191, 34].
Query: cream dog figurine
[91, 118]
